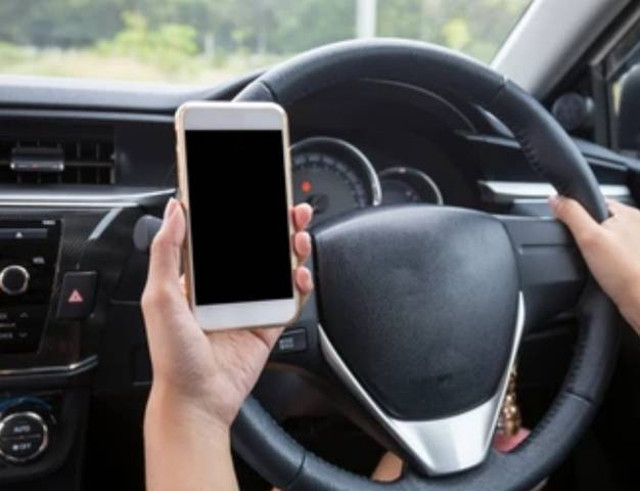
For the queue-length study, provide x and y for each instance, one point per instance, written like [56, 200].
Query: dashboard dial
[333, 176]
[408, 185]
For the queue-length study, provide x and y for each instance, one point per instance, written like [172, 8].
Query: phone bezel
[235, 116]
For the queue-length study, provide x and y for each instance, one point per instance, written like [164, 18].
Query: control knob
[23, 437]
[14, 280]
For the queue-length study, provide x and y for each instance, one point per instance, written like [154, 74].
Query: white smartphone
[234, 176]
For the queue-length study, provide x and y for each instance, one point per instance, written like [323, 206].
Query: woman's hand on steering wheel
[611, 250]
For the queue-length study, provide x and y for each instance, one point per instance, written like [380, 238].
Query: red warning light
[75, 297]
[305, 186]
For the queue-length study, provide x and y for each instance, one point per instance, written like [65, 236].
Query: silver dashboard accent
[70, 369]
[515, 190]
[104, 224]
[93, 199]
[45, 436]
[440, 446]
[74, 204]
[376, 189]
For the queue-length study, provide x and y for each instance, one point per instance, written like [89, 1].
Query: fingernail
[169, 209]
[553, 200]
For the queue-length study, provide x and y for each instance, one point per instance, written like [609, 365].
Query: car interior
[404, 149]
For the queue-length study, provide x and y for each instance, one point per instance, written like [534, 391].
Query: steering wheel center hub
[421, 303]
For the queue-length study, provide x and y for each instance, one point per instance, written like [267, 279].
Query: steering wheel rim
[261, 441]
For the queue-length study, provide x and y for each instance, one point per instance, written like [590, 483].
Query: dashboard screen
[239, 218]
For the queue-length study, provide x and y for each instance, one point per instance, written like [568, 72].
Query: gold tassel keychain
[510, 419]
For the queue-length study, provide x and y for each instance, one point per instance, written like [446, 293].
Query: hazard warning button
[77, 295]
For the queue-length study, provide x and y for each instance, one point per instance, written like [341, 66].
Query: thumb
[575, 217]
[168, 319]
[166, 250]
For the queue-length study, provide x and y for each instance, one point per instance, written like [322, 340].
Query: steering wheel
[419, 310]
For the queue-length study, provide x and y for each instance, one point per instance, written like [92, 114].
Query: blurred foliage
[475, 27]
[193, 40]
[169, 46]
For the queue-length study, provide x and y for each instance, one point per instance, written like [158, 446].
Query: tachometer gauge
[408, 185]
[333, 176]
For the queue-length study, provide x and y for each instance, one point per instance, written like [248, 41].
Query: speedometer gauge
[408, 185]
[333, 176]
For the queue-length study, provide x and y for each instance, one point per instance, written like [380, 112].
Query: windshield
[205, 41]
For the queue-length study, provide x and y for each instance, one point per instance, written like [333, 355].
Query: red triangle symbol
[75, 297]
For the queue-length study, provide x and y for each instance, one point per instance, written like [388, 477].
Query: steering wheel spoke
[436, 446]
[552, 272]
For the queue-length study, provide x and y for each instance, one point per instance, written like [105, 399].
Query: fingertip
[302, 245]
[169, 207]
[556, 202]
[175, 224]
[560, 205]
[304, 282]
[303, 214]
[578, 220]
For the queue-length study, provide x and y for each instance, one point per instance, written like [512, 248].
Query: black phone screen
[238, 209]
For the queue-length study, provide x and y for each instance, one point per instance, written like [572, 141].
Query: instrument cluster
[336, 177]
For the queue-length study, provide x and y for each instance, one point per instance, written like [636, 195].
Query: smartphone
[234, 176]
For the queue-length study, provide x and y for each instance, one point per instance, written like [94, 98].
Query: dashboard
[80, 168]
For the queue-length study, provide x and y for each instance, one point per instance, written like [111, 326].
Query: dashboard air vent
[73, 161]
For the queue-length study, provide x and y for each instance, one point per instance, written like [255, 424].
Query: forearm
[185, 449]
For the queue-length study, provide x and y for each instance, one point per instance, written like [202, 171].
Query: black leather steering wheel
[419, 310]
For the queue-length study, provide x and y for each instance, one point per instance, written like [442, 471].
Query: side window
[621, 74]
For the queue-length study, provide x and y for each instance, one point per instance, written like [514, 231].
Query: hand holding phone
[233, 162]
[191, 370]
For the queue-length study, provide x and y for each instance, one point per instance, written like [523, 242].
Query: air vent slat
[87, 161]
